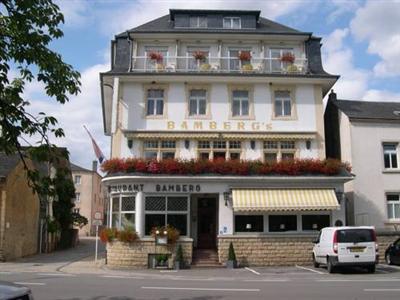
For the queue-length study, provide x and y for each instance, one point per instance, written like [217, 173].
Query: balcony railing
[219, 65]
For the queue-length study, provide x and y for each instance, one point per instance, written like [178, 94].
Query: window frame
[263, 216]
[250, 92]
[146, 89]
[77, 197]
[293, 108]
[166, 212]
[282, 65]
[207, 114]
[160, 149]
[212, 149]
[393, 204]
[231, 18]
[390, 153]
[111, 213]
[77, 182]
[279, 150]
[198, 21]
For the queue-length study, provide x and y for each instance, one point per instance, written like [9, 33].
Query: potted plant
[162, 260]
[292, 68]
[179, 262]
[245, 57]
[205, 67]
[199, 55]
[231, 262]
[288, 57]
[157, 59]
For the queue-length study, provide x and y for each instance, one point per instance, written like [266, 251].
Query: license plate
[358, 249]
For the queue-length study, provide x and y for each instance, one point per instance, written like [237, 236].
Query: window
[232, 23]
[249, 223]
[77, 179]
[275, 63]
[283, 104]
[195, 64]
[275, 151]
[151, 64]
[390, 155]
[355, 235]
[77, 197]
[315, 222]
[197, 102]
[164, 149]
[393, 206]
[219, 149]
[281, 223]
[123, 211]
[198, 21]
[160, 211]
[234, 61]
[155, 102]
[240, 103]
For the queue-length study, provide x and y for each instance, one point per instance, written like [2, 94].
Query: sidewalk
[58, 260]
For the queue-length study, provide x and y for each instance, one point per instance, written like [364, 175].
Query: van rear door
[356, 245]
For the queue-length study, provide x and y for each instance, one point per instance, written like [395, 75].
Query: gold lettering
[184, 125]
[240, 125]
[213, 125]
[227, 125]
[198, 125]
[255, 126]
[269, 126]
[171, 125]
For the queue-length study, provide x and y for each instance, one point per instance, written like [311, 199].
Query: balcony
[222, 65]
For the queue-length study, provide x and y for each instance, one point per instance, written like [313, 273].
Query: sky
[361, 42]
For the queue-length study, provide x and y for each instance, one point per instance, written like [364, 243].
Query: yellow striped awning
[269, 136]
[284, 199]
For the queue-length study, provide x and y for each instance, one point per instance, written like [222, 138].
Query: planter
[292, 69]
[159, 67]
[231, 264]
[205, 67]
[247, 68]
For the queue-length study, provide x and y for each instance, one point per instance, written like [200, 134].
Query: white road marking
[390, 266]
[381, 290]
[123, 277]
[5, 272]
[253, 271]
[191, 279]
[311, 270]
[57, 274]
[267, 280]
[198, 289]
[169, 271]
[30, 283]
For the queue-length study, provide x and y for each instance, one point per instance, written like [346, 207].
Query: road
[212, 284]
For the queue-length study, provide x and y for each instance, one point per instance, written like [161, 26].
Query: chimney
[94, 166]
[332, 96]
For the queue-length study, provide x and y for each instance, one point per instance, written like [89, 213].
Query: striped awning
[269, 136]
[284, 199]
[172, 135]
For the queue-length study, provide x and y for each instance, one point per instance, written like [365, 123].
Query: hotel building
[221, 84]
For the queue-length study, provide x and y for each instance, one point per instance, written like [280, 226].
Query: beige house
[88, 195]
[19, 210]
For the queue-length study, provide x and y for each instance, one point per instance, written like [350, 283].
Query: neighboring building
[177, 89]
[367, 135]
[88, 195]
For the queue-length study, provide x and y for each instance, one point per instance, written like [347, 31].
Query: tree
[26, 30]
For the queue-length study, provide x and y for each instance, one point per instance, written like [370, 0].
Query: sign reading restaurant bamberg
[175, 188]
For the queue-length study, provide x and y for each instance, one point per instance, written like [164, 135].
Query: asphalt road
[256, 283]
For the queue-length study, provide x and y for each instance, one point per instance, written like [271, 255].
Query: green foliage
[78, 220]
[52, 225]
[26, 30]
[231, 253]
[179, 254]
[107, 235]
[161, 257]
[127, 235]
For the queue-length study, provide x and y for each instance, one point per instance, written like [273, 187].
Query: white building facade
[219, 85]
[367, 134]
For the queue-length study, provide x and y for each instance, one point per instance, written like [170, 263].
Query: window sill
[240, 118]
[199, 117]
[155, 117]
[291, 118]
[389, 171]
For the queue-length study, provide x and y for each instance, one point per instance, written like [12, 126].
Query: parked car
[11, 291]
[346, 246]
[392, 253]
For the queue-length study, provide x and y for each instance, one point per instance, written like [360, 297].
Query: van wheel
[388, 259]
[371, 269]
[330, 266]
[316, 265]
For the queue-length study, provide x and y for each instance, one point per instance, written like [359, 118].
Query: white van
[346, 246]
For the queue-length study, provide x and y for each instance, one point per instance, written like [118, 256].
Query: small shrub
[172, 233]
[231, 253]
[107, 235]
[127, 235]
[179, 254]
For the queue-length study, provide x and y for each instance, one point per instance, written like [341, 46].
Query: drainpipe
[2, 223]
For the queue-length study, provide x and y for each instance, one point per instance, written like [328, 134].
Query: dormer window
[232, 23]
[198, 21]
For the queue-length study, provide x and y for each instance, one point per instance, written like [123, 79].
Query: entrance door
[207, 223]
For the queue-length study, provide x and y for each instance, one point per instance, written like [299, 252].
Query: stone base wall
[136, 254]
[267, 251]
[281, 251]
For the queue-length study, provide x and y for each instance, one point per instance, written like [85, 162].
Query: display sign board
[97, 222]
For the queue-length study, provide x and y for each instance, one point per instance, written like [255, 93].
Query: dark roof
[369, 110]
[172, 12]
[8, 163]
[76, 168]
[165, 25]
